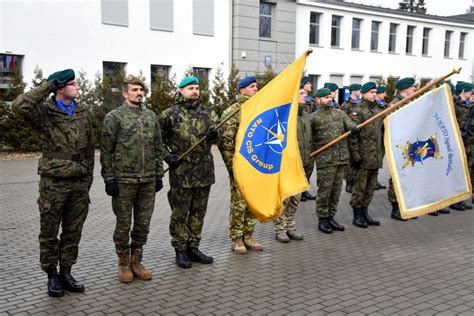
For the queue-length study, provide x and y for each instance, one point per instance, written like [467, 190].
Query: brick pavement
[423, 266]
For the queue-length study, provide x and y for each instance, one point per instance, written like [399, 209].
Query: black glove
[354, 130]
[158, 184]
[111, 188]
[356, 164]
[172, 161]
[212, 134]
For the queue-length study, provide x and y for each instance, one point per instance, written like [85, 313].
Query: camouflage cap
[366, 87]
[131, 79]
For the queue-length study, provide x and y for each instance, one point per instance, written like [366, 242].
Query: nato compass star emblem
[266, 138]
[420, 151]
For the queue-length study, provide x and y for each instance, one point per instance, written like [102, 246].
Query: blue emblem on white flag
[420, 150]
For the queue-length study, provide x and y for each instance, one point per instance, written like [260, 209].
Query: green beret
[466, 86]
[131, 79]
[187, 81]
[331, 86]
[62, 77]
[381, 89]
[405, 83]
[355, 87]
[322, 92]
[304, 81]
[366, 87]
[451, 86]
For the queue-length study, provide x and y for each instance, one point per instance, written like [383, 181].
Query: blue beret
[322, 92]
[466, 86]
[366, 87]
[304, 81]
[246, 82]
[381, 89]
[405, 83]
[62, 77]
[187, 81]
[331, 86]
[355, 87]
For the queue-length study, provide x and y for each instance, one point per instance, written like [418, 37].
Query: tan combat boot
[125, 274]
[138, 269]
[238, 246]
[251, 243]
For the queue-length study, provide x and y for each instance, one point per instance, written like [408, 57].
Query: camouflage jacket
[346, 106]
[367, 145]
[182, 126]
[228, 131]
[463, 110]
[67, 142]
[130, 145]
[303, 127]
[328, 123]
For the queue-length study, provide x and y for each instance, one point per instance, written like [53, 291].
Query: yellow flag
[267, 163]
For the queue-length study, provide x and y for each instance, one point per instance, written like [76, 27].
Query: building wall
[251, 53]
[327, 62]
[70, 34]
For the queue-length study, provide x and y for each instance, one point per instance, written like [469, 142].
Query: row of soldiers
[133, 144]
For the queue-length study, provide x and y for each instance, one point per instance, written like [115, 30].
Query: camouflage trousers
[62, 202]
[287, 222]
[241, 219]
[188, 208]
[348, 173]
[329, 190]
[392, 197]
[364, 187]
[470, 160]
[135, 201]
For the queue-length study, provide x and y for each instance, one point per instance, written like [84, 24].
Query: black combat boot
[396, 212]
[466, 205]
[308, 196]
[457, 207]
[358, 219]
[54, 286]
[335, 225]
[182, 259]
[435, 213]
[195, 255]
[443, 211]
[67, 281]
[380, 186]
[349, 186]
[368, 219]
[324, 226]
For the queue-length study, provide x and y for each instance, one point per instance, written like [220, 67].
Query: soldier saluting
[66, 172]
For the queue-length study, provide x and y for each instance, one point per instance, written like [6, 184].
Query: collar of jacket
[187, 103]
[51, 102]
[242, 98]
[133, 108]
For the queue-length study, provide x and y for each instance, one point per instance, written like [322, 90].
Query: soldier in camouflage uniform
[366, 155]
[66, 168]
[380, 101]
[192, 176]
[309, 108]
[132, 168]
[327, 123]
[354, 98]
[241, 220]
[334, 91]
[285, 225]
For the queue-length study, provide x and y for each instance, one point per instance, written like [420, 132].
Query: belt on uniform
[64, 155]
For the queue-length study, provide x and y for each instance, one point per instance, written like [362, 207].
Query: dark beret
[62, 77]
[188, 81]
[405, 83]
[246, 82]
[355, 87]
[366, 87]
[331, 86]
[381, 89]
[322, 92]
[304, 81]
[461, 85]
[131, 79]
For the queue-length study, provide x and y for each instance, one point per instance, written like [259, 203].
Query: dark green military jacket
[67, 142]
[303, 127]
[346, 106]
[463, 110]
[367, 145]
[328, 123]
[130, 145]
[182, 126]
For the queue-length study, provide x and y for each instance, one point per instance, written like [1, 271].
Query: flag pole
[308, 51]
[387, 111]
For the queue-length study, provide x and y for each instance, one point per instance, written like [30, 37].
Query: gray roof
[456, 18]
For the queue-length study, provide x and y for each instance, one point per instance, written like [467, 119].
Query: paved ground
[423, 266]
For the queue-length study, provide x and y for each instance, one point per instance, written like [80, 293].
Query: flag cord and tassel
[386, 111]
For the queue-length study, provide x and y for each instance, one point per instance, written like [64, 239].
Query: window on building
[203, 17]
[356, 79]
[336, 30]
[392, 38]
[356, 23]
[314, 19]
[202, 74]
[161, 71]
[337, 79]
[265, 20]
[114, 73]
[447, 43]
[314, 80]
[115, 12]
[161, 15]
[375, 79]
[409, 44]
[462, 44]
[426, 41]
[374, 36]
[10, 71]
